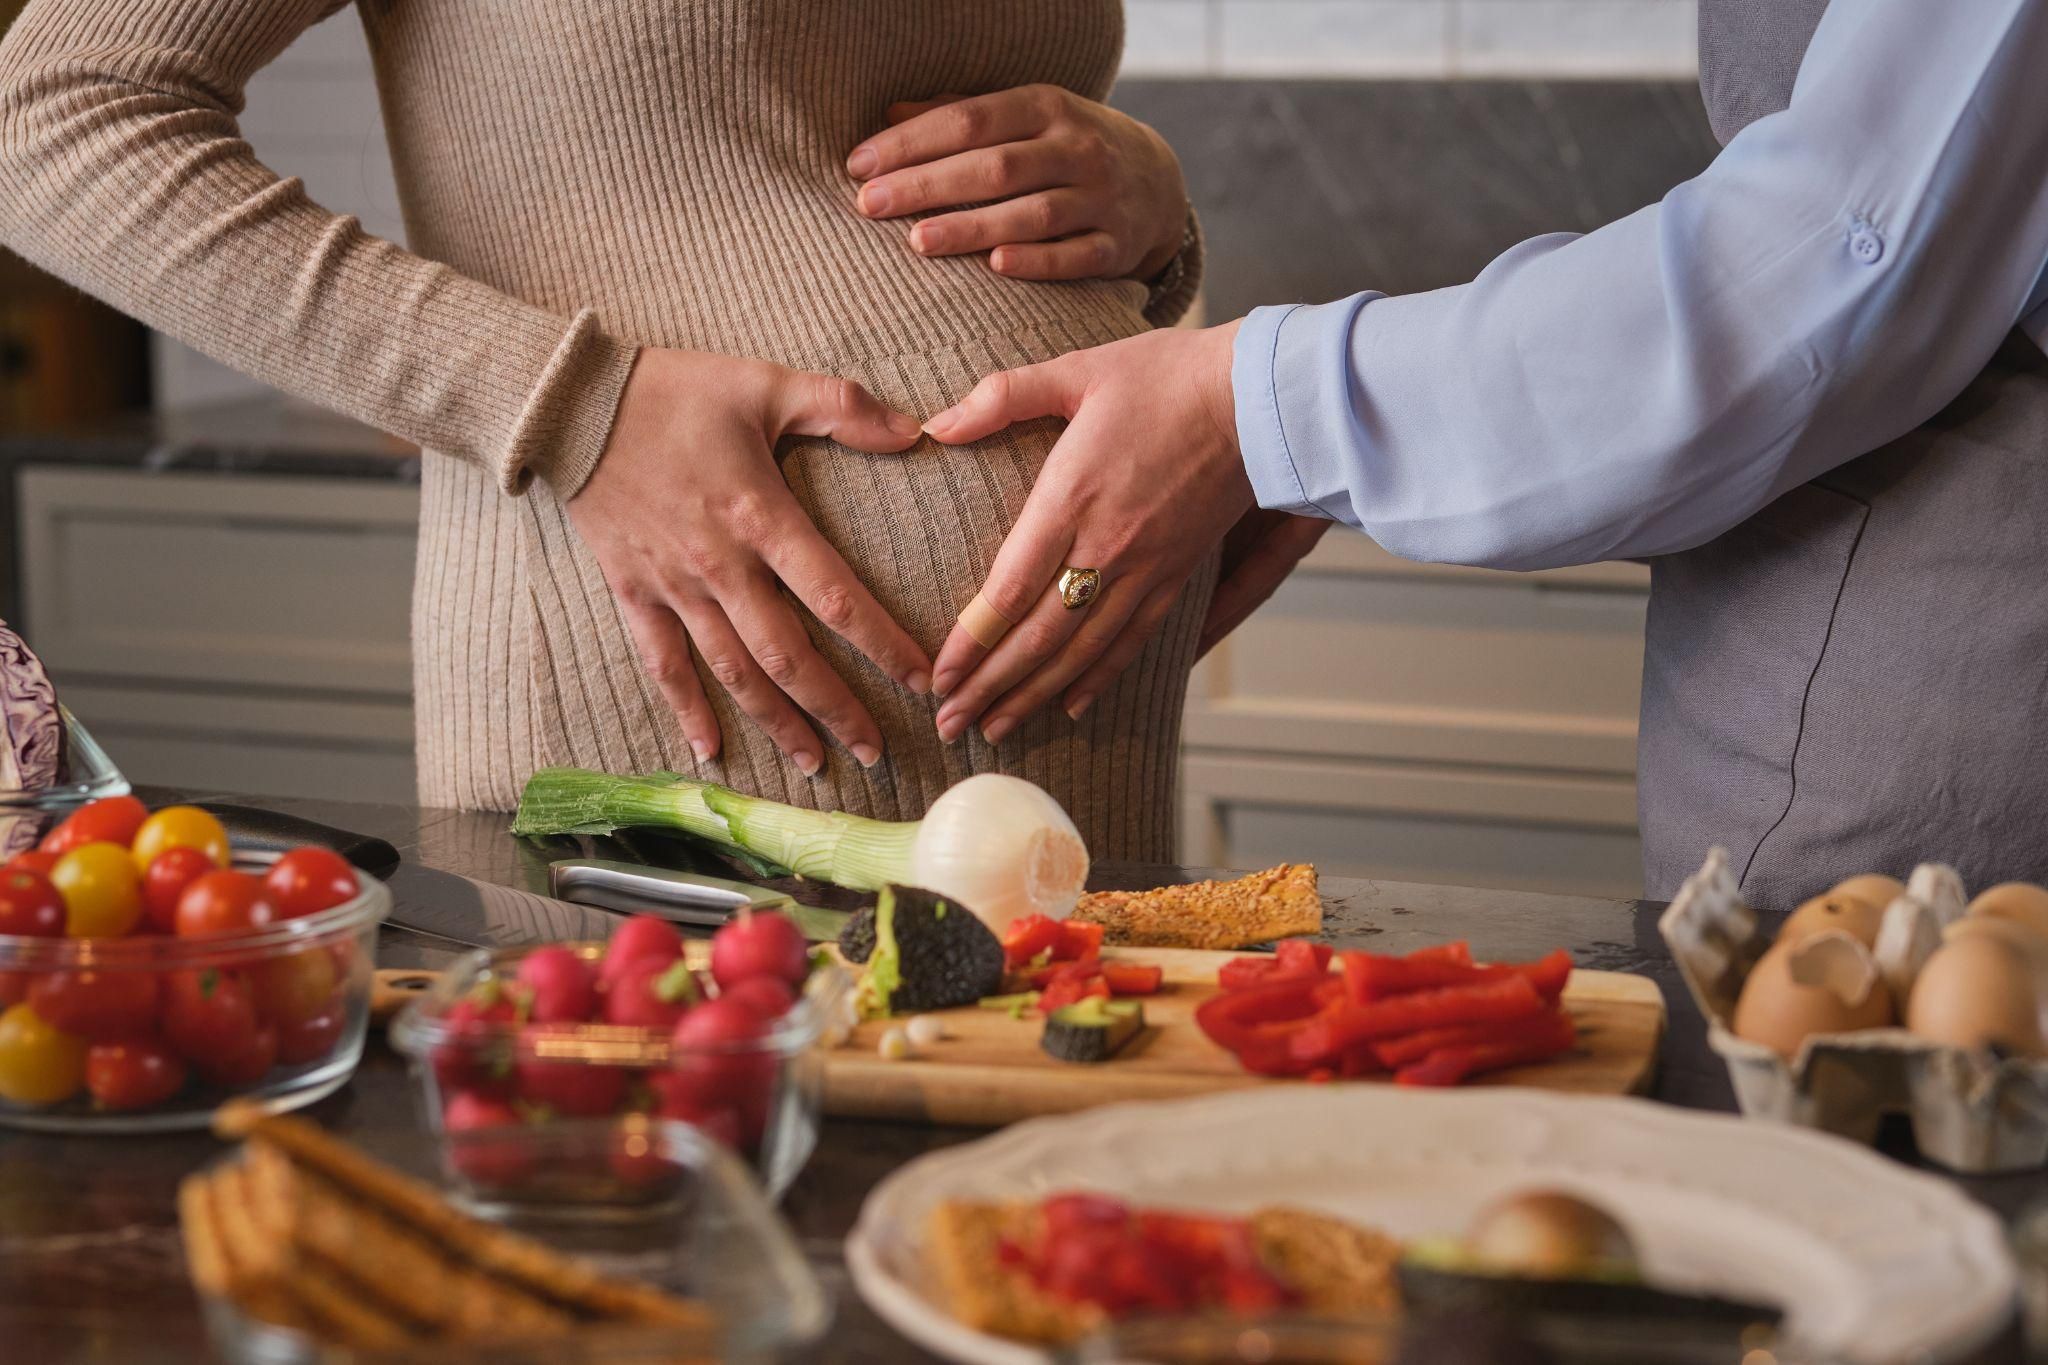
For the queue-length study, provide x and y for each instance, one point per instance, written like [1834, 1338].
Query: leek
[998, 845]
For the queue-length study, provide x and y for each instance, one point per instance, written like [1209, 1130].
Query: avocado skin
[1434, 1290]
[945, 959]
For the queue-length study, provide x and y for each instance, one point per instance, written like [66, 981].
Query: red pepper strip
[1132, 978]
[1255, 1023]
[1299, 957]
[1026, 938]
[1240, 972]
[1403, 1049]
[1544, 1038]
[1064, 971]
[1293, 960]
[1068, 990]
[1079, 941]
[1459, 952]
[1369, 977]
[1346, 1024]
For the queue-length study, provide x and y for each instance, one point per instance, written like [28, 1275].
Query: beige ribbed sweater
[581, 177]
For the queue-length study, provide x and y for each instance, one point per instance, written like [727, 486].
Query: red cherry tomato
[247, 1064]
[312, 1038]
[308, 880]
[136, 1074]
[293, 987]
[30, 905]
[207, 1012]
[14, 987]
[223, 902]
[109, 820]
[30, 860]
[172, 871]
[97, 1005]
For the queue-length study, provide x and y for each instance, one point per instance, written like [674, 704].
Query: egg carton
[1972, 1111]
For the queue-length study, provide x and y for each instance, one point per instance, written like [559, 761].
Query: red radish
[501, 1162]
[717, 1050]
[564, 988]
[643, 936]
[462, 1062]
[766, 996]
[759, 943]
[683, 1098]
[570, 1085]
[652, 994]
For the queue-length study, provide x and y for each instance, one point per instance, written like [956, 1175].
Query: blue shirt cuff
[1290, 373]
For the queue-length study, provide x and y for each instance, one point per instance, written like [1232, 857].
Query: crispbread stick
[273, 1189]
[204, 1255]
[254, 1263]
[407, 1202]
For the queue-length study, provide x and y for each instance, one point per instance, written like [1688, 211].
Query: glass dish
[314, 1058]
[90, 774]
[715, 1239]
[763, 1098]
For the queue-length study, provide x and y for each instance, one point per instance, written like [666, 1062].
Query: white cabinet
[246, 632]
[1425, 723]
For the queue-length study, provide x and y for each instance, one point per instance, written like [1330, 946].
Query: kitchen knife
[272, 831]
[685, 897]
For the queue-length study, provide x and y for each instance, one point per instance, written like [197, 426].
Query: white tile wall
[313, 113]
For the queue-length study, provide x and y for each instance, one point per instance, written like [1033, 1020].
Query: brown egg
[1978, 991]
[2021, 902]
[1780, 1011]
[1856, 916]
[1874, 887]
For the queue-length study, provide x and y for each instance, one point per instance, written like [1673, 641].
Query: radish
[563, 986]
[487, 1162]
[651, 993]
[759, 943]
[643, 936]
[766, 996]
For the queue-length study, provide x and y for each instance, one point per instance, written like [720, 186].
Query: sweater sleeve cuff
[1290, 375]
[568, 416]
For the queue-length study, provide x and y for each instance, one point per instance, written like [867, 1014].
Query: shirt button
[1866, 246]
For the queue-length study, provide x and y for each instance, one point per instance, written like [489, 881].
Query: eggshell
[1856, 916]
[1978, 990]
[1780, 1010]
[1874, 887]
[2021, 902]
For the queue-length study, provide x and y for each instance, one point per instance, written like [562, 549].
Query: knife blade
[685, 897]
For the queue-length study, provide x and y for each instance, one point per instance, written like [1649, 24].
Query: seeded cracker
[1280, 902]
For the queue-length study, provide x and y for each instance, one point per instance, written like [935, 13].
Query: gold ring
[1078, 587]
[987, 625]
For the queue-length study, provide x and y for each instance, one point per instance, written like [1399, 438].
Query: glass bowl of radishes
[725, 1035]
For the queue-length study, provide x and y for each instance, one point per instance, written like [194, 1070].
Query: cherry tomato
[30, 860]
[245, 1065]
[38, 1064]
[98, 1006]
[30, 905]
[310, 1039]
[180, 827]
[207, 1012]
[308, 880]
[102, 891]
[14, 987]
[222, 902]
[166, 880]
[135, 1074]
[293, 987]
[109, 820]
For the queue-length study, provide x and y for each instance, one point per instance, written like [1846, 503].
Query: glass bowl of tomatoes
[150, 971]
[647, 1024]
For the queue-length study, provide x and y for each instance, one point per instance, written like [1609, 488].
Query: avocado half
[920, 952]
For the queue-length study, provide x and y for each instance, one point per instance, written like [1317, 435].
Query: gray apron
[1854, 679]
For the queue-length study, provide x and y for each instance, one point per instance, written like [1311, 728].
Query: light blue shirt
[1836, 277]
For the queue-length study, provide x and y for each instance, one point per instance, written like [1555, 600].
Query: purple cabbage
[32, 741]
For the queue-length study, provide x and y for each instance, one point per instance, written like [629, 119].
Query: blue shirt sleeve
[1840, 272]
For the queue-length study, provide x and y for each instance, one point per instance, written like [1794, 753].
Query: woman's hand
[698, 534]
[1143, 484]
[1084, 192]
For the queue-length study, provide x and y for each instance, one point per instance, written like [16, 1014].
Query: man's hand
[1144, 483]
[1081, 191]
[698, 535]
[1258, 554]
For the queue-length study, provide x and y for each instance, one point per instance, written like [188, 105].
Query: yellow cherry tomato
[180, 827]
[102, 891]
[38, 1063]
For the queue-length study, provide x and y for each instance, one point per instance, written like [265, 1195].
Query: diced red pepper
[1542, 1038]
[1063, 971]
[1241, 972]
[1079, 941]
[1295, 959]
[1255, 1023]
[1026, 938]
[1369, 976]
[1131, 978]
[1068, 990]
[1299, 957]
[1348, 1023]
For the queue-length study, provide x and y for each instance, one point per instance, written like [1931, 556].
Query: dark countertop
[90, 1269]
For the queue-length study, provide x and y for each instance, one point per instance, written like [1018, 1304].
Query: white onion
[1001, 847]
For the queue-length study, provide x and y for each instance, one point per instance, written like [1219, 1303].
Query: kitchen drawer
[1365, 655]
[1567, 833]
[291, 583]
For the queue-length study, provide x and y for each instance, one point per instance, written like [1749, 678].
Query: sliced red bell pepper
[1069, 989]
[1026, 938]
[1079, 941]
[1294, 959]
[1254, 1024]
[1348, 1023]
[1544, 1037]
[1403, 1049]
[1131, 978]
[1369, 976]
[1241, 972]
[1063, 971]
[1458, 951]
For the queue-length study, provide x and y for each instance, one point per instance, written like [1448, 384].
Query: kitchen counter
[90, 1269]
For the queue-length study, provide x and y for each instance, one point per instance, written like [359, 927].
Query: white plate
[1873, 1262]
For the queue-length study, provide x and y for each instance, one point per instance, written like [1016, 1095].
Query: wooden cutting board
[990, 1070]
